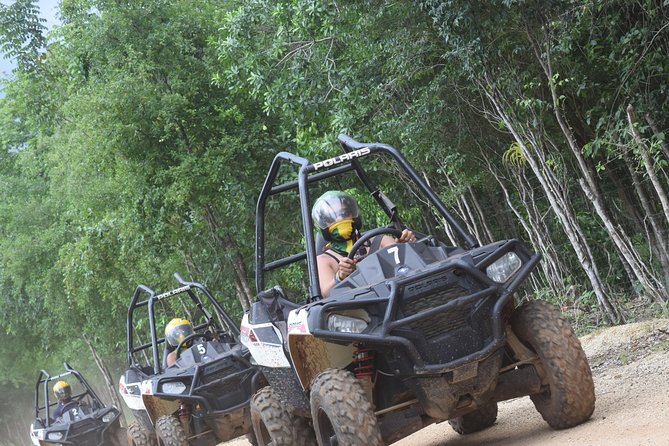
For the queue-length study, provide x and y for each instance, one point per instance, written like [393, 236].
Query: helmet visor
[62, 390]
[332, 207]
[178, 333]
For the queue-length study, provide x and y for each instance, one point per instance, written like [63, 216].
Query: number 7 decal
[395, 250]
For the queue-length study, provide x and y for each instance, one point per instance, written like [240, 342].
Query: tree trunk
[660, 245]
[556, 196]
[624, 245]
[550, 271]
[648, 163]
[481, 215]
[556, 268]
[463, 211]
[444, 223]
[589, 186]
[111, 386]
[656, 130]
[226, 242]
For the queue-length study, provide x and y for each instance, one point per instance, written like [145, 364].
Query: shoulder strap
[376, 243]
[331, 255]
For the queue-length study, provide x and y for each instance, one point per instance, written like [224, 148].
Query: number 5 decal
[395, 250]
[200, 349]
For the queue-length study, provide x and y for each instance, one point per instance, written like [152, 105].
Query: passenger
[337, 216]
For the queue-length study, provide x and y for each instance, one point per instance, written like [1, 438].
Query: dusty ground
[630, 365]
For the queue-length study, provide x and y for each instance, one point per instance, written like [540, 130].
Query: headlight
[173, 387]
[109, 417]
[346, 324]
[504, 267]
[54, 436]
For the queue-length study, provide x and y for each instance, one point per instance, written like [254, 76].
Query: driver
[63, 393]
[337, 216]
[175, 332]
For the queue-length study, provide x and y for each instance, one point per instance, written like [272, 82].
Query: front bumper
[435, 320]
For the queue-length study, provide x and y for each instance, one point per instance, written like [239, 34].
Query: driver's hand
[406, 236]
[346, 267]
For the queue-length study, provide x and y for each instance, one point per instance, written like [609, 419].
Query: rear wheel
[274, 425]
[143, 418]
[139, 435]
[170, 432]
[569, 397]
[481, 418]
[341, 412]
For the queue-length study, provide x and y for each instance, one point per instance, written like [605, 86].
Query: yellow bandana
[341, 233]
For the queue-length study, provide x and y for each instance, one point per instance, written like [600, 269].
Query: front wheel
[569, 397]
[274, 425]
[341, 412]
[471, 422]
[139, 435]
[143, 418]
[170, 432]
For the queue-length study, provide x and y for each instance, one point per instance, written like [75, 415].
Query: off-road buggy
[420, 333]
[85, 420]
[201, 399]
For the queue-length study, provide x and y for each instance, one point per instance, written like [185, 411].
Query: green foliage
[135, 137]
[114, 153]
[514, 155]
[22, 33]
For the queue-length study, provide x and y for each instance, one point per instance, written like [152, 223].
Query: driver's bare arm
[407, 236]
[330, 272]
[171, 358]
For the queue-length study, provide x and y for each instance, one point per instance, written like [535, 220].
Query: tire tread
[570, 399]
[344, 400]
[284, 428]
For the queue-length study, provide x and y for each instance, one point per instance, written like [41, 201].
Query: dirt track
[631, 370]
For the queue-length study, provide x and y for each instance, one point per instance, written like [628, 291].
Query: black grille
[224, 387]
[88, 438]
[85, 425]
[441, 323]
[210, 375]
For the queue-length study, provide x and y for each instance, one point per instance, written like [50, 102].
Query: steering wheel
[69, 406]
[190, 337]
[66, 408]
[369, 235]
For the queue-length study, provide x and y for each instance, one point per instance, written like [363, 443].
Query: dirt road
[630, 365]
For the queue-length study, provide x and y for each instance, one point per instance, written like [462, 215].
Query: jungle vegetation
[135, 136]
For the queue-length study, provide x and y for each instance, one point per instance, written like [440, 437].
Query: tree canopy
[135, 137]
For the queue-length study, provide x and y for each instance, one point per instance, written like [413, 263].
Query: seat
[277, 304]
[320, 243]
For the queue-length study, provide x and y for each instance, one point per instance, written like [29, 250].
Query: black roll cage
[43, 380]
[187, 287]
[311, 173]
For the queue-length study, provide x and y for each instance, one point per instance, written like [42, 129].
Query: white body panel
[36, 435]
[269, 354]
[132, 400]
[297, 322]
[146, 387]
